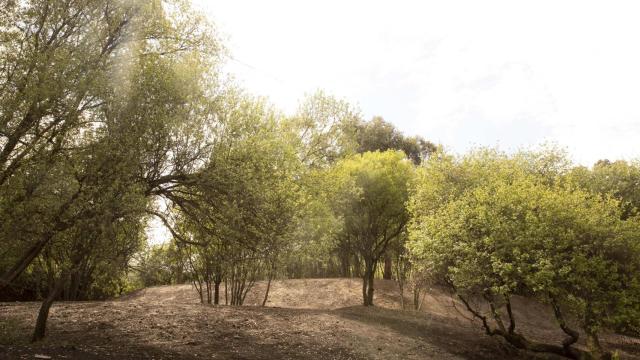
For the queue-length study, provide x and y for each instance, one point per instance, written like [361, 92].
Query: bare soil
[303, 319]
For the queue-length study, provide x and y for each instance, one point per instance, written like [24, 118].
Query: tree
[370, 201]
[158, 265]
[326, 128]
[379, 135]
[517, 233]
[620, 179]
[241, 210]
[102, 110]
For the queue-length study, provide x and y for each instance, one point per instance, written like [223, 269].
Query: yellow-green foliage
[491, 224]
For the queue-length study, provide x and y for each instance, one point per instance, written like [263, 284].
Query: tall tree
[326, 128]
[102, 109]
[370, 201]
[72, 69]
[380, 135]
[242, 208]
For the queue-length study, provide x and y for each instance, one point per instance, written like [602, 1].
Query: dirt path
[169, 323]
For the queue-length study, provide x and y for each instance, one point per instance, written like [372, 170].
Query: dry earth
[304, 319]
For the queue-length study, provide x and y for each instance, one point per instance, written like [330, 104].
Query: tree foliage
[101, 103]
[369, 199]
[492, 226]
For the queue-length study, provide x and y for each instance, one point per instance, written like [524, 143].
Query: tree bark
[24, 261]
[367, 282]
[387, 272]
[266, 293]
[364, 289]
[216, 292]
[370, 289]
[417, 301]
[272, 270]
[519, 341]
[43, 314]
[198, 285]
[208, 284]
[72, 289]
[226, 293]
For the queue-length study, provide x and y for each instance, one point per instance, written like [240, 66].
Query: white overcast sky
[460, 73]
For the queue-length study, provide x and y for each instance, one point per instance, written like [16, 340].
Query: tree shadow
[199, 335]
[452, 336]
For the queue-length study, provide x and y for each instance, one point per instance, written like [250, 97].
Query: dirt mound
[305, 319]
[307, 294]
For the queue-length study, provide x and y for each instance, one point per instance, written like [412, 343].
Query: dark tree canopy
[379, 135]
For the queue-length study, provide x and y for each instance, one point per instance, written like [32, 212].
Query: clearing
[304, 319]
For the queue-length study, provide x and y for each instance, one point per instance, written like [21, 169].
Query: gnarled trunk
[517, 340]
[43, 314]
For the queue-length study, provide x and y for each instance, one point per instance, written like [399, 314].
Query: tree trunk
[272, 270]
[593, 343]
[36, 248]
[345, 265]
[266, 293]
[595, 349]
[367, 282]
[386, 272]
[370, 289]
[43, 314]
[416, 298]
[24, 261]
[226, 293]
[364, 290]
[198, 285]
[216, 291]
[519, 341]
[209, 298]
[73, 289]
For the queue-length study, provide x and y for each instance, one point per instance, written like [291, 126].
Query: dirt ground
[304, 319]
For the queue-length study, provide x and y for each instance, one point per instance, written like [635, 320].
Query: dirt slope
[305, 319]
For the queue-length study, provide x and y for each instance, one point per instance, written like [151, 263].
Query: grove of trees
[116, 113]
[491, 226]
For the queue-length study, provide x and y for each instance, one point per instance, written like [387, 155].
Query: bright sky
[460, 73]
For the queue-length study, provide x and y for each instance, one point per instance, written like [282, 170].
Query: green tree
[370, 200]
[158, 265]
[516, 233]
[102, 110]
[242, 207]
[379, 135]
[620, 179]
[326, 129]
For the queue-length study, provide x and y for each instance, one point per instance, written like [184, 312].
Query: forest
[116, 114]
